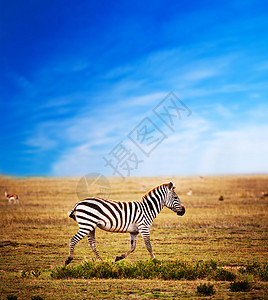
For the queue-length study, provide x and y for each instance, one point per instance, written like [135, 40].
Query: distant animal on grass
[133, 217]
[221, 198]
[264, 194]
[143, 188]
[12, 197]
[189, 193]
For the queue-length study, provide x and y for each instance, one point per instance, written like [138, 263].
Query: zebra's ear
[171, 186]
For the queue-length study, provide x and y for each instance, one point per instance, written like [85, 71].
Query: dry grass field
[232, 233]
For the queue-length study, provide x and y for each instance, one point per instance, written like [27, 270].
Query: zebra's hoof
[119, 257]
[68, 260]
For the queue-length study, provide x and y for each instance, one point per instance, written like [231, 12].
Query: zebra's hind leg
[133, 241]
[91, 242]
[74, 240]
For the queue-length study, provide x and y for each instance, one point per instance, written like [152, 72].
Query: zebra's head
[172, 201]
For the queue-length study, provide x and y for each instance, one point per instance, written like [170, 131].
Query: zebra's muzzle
[181, 212]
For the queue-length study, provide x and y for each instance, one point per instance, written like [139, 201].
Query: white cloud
[204, 150]
[239, 151]
[196, 147]
[77, 161]
[44, 136]
[200, 74]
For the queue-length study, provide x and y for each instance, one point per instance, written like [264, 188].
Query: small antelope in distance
[12, 197]
[190, 192]
[264, 194]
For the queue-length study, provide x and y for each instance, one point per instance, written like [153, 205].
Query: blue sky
[78, 77]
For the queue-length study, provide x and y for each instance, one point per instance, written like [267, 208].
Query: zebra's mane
[145, 195]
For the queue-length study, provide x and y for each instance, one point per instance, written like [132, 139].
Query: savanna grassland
[218, 248]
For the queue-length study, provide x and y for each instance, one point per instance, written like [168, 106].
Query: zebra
[133, 217]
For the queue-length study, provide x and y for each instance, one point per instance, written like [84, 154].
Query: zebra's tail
[71, 213]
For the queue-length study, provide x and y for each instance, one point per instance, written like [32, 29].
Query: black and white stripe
[115, 216]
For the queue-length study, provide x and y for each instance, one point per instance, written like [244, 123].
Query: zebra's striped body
[133, 217]
[108, 215]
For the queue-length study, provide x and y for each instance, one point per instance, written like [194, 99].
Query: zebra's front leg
[133, 242]
[145, 233]
[74, 240]
[92, 245]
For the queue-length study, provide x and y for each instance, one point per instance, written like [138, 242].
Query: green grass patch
[150, 269]
[240, 286]
[12, 297]
[206, 289]
[258, 270]
[221, 274]
[155, 269]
